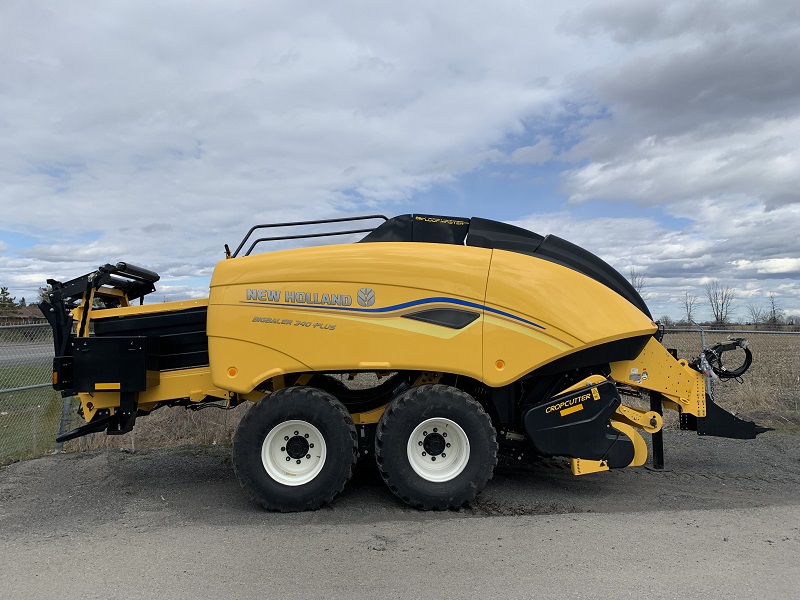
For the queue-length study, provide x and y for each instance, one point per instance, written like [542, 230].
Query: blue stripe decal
[385, 309]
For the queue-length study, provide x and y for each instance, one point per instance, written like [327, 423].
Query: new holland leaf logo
[366, 297]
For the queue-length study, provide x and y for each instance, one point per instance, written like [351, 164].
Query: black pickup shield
[577, 425]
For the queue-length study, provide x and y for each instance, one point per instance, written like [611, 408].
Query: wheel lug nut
[444, 435]
[297, 433]
[298, 461]
[425, 433]
[311, 445]
[419, 443]
[286, 438]
[444, 455]
[306, 435]
[308, 456]
[424, 454]
[283, 448]
[433, 458]
[435, 429]
[288, 458]
[447, 444]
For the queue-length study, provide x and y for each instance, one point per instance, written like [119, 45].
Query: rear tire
[435, 447]
[295, 449]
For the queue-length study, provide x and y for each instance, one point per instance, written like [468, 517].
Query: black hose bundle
[711, 359]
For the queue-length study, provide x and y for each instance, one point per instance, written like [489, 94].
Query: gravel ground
[723, 518]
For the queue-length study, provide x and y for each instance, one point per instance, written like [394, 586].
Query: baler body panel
[345, 308]
[556, 311]
[300, 310]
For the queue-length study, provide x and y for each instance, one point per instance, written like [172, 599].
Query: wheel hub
[434, 444]
[297, 447]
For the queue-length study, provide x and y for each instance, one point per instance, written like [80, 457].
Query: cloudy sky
[663, 136]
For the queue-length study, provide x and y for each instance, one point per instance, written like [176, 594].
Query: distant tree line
[721, 299]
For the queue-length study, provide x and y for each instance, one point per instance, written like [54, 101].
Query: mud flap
[719, 422]
[577, 425]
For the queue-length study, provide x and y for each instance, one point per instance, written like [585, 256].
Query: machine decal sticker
[411, 304]
[366, 297]
[295, 322]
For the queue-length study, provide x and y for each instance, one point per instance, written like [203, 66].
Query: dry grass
[769, 392]
[171, 426]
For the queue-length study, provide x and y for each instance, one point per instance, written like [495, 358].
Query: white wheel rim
[438, 449]
[281, 452]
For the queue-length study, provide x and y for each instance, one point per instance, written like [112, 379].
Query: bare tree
[637, 280]
[757, 313]
[720, 298]
[666, 321]
[774, 313]
[689, 300]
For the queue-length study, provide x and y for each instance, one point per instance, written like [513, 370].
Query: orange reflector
[55, 377]
[232, 372]
[500, 365]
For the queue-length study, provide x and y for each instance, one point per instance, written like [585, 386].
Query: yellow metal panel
[582, 466]
[639, 445]
[194, 384]
[371, 416]
[258, 324]
[656, 369]
[592, 380]
[650, 420]
[553, 311]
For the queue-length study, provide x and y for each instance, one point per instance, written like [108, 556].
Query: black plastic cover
[113, 360]
[484, 233]
[178, 336]
[434, 229]
[577, 425]
[452, 318]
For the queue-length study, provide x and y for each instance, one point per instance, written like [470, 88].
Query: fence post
[709, 389]
[66, 403]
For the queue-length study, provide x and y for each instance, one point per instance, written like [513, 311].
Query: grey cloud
[631, 23]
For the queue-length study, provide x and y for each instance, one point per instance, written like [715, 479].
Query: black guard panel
[719, 422]
[433, 229]
[577, 425]
[122, 362]
[178, 336]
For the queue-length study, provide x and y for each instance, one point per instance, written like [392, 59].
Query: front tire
[436, 447]
[295, 449]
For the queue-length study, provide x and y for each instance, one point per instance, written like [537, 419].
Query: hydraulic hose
[711, 359]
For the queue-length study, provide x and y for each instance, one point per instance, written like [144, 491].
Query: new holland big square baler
[434, 343]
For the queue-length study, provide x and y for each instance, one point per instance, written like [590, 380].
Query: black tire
[456, 479]
[314, 473]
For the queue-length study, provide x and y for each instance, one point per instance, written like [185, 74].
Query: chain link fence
[769, 392]
[32, 413]
[30, 410]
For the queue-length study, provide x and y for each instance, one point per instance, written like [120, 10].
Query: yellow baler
[435, 343]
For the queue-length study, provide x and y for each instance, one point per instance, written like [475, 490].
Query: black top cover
[484, 233]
